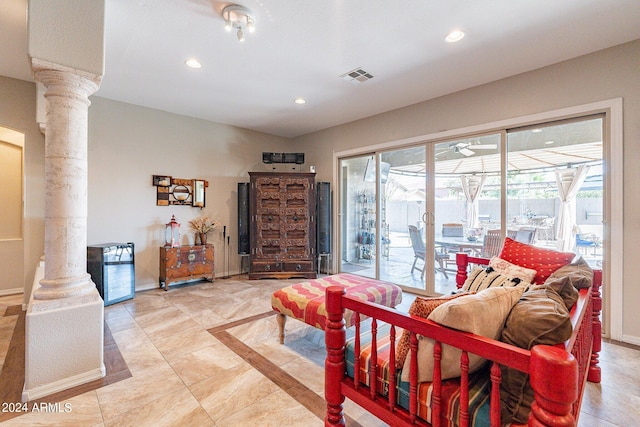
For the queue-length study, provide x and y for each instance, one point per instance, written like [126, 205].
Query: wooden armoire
[283, 225]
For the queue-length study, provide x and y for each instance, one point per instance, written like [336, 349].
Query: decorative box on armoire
[112, 269]
[184, 263]
[283, 225]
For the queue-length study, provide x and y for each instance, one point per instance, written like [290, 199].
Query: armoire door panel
[282, 207]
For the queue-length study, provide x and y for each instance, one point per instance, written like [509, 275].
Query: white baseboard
[12, 291]
[63, 384]
[150, 286]
[630, 339]
[147, 287]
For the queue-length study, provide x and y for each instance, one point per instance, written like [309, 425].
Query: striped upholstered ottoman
[305, 301]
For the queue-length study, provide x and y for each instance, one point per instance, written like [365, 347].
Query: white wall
[603, 75]
[69, 33]
[128, 144]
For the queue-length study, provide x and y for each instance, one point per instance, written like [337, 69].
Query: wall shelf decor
[178, 191]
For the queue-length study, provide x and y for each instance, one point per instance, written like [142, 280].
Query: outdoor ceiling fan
[465, 148]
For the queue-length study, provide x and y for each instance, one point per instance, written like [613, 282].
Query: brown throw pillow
[578, 273]
[564, 287]
[540, 317]
[421, 307]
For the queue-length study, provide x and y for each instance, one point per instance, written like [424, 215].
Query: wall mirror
[198, 193]
[178, 191]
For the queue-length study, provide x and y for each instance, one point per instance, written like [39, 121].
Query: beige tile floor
[184, 375]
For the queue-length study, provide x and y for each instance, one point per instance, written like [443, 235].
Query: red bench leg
[334, 365]
[553, 400]
[595, 374]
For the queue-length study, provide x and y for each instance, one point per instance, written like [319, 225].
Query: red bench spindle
[373, 361]
[334, 365]
[356, 355]
[413, 378]
[464, 389]
[494, 405]
[436, 399]
[392, 368]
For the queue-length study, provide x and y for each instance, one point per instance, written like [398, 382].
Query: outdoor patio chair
[587, 241]
[419, 252]
[525, 235]
[492, 244]
[546, 230]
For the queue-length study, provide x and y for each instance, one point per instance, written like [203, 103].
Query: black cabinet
[112, 269]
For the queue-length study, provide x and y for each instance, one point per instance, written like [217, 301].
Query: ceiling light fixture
[454, 36]
[240, 18]
[193, 63]
[300, 101]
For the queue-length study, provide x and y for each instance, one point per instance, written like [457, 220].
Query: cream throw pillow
[512, 270]
[483, 314]
[480, 278]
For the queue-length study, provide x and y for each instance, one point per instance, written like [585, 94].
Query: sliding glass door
[555, 193]
[403, 197]
[406, 212]
[358, 215]
[466, 201]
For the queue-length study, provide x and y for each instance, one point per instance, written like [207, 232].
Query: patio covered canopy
[543, 158]
[554, 146]
[526, 160]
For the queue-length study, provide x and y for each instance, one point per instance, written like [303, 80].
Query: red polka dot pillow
[544, 261]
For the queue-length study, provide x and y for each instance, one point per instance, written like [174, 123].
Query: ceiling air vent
[357, 76]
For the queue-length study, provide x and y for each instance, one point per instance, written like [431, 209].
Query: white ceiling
[301, 47]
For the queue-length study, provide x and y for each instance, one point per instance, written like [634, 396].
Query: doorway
[12, 212]
[358, 215]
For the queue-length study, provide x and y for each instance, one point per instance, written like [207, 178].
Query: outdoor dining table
[459, 244]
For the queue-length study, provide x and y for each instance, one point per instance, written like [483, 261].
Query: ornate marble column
[66, 165]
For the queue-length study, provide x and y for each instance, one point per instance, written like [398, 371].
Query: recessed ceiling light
[537, 130]
[300, 101]
[193, 63]
[454, 36]
[549, 142]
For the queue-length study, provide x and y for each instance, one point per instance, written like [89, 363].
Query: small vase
[203, 238]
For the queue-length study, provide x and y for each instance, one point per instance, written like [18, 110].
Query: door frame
[613, 206]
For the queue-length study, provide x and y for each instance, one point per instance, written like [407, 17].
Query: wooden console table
[186, 263]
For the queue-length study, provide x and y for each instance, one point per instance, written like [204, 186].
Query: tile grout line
[282, 379]
[274, 373]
